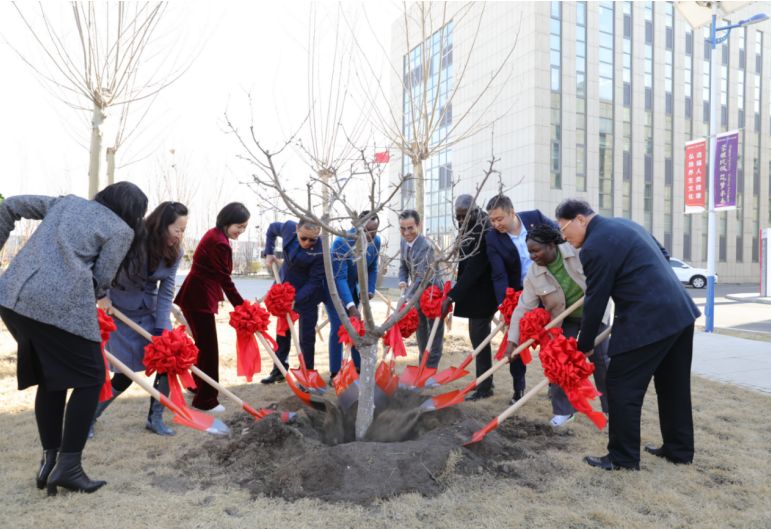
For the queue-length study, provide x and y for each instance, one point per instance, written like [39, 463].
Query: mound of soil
[406, 451]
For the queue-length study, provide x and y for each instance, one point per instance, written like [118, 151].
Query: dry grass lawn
[728, 486]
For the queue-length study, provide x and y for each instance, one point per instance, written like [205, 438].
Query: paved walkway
[734, 360]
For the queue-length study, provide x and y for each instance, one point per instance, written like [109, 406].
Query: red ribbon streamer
[106, 327]
[248, 319]
[393, 339]
[565, 365]
[342, 333]
[279, 302]
[172, 353]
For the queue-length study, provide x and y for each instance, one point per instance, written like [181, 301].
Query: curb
[751, 298]
[738, 333]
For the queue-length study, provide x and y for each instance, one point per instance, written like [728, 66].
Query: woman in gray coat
[48, 302]
[146, 298]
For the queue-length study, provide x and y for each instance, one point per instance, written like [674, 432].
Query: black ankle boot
[46, 466]
[69, 473]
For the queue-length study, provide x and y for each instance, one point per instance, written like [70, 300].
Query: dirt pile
[406, 451]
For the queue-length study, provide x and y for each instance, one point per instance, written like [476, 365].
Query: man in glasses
[344, 259]
[509, 262]
[417, 255]
[652, 332]
[473, 293]
[303, 268]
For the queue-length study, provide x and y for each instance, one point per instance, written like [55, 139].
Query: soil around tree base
[409, 452]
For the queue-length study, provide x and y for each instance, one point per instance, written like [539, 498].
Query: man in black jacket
[473, 292]
[652, 332]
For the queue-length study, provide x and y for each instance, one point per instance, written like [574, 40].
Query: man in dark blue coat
[509, 262]
[652, 332]
[303, 268]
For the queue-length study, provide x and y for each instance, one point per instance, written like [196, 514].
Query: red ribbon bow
[106, 327]
[431, 301]
[532, 326]
[509, 304]
[409, 323]
[565, 365]
[172, 353]
[247, 319]
[342, 333]
[279, 302]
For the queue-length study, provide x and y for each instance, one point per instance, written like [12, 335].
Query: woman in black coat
[48, 302]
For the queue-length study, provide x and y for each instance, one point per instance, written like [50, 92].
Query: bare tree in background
[95, 63]
[430, 123]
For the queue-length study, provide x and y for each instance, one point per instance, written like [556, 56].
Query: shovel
[452, 374]
[414, 377]
[257, 414]
[195, 419]
[508, 412]
[311, 379]
[457, 396]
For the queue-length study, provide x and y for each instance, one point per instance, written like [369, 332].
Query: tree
[94, 64]
[434, 120]
[269, 182]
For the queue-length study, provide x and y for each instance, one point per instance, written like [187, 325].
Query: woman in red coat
[202, 290]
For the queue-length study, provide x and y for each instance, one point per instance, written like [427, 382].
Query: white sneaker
[216, 410]
[561, 420]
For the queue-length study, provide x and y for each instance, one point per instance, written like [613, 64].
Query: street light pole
[714, 106]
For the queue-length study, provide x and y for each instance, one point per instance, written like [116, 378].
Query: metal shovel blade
[349, 396]
[202, 421]
[451, 374]
[311, 380]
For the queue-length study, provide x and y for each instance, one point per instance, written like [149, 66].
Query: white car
[696, 277]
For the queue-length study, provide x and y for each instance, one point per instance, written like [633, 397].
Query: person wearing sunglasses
[652, 332]
[303, 268]
[344, 259]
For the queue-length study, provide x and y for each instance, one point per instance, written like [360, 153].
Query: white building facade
[597, 102]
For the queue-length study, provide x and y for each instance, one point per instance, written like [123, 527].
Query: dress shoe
[561, 420]
[479, 394]
[518, 393]
[275, 376]
[605, 463]
[659, 452]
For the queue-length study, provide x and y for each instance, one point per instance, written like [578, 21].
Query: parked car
[687, 274]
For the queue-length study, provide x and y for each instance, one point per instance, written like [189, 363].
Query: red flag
[382, 157]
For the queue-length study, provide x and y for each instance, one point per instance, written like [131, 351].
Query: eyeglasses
[564, 226]
[309, 239]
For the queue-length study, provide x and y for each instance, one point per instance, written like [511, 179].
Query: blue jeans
[335, 347]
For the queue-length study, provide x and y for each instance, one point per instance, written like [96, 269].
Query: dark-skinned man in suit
[652, 332]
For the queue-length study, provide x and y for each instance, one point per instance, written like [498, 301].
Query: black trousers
[668, 362]
[478, 329]
[204, 329]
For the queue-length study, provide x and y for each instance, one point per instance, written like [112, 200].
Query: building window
[705, 76]
[758, 77]
[581, 96]
[669, 140]
[555, 54]
[606, 29]
[434, 92]
[648, 127]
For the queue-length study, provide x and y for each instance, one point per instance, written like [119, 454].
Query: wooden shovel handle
[196, 371]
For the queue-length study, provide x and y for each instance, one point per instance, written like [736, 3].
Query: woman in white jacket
[555, 281]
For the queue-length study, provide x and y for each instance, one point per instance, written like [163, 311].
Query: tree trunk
[110, 165]
[97, 118]
[366, 410]
[420, 187]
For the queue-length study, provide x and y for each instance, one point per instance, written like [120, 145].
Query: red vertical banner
[695, 176]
